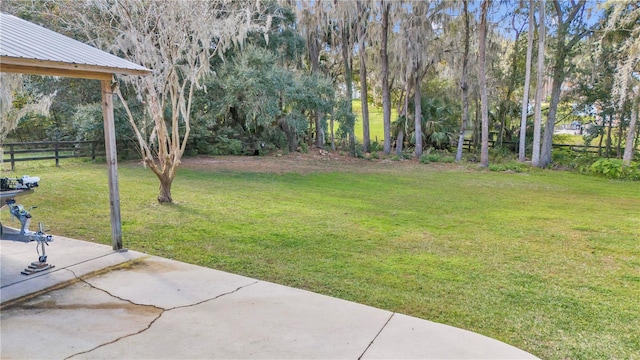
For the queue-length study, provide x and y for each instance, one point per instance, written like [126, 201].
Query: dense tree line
[250, 77]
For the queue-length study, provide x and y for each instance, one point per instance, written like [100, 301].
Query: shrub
[510, 166]
[610, 168]
[562, 156]
[633, 172]
[500, 154]
[429, 158]
[433, 157]
[582, 161]
[191, 152]
[448, 159]
[235, 146]
[614, 169]
[376, 146]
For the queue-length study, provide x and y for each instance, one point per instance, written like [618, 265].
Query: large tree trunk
[366, 136]
[400, 141]
[348, 76]
[556, 87]
[608, 143]
[400, 101]
[386, 91]
[319, 130]
[484, 152]
[405, 111]
[537, 121]
[619, 140]
[165, 189]
[477, 124]
[292, 138]
[505, 106]
[527, 82]
[418, 116]
[314, 59]
[601, 133]
[463, 83]
[348, 79]
[628, 146]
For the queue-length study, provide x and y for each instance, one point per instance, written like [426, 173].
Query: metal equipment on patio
[10, 189]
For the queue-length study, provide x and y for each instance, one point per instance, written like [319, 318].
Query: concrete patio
[100, 304]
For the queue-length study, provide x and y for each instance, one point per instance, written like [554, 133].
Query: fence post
[56, 151]
[13, 160]
[93, 151]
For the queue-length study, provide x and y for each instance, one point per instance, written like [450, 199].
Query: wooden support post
[112, 164]
[13, 158]
[57, 152]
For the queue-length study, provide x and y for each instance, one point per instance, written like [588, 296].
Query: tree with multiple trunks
[570, 29]
[176, 39]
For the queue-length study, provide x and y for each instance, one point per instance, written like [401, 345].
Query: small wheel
[43, 258]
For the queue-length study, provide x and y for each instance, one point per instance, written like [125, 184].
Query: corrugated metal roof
[25, 43]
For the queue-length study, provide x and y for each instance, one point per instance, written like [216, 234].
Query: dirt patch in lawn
[314, 161]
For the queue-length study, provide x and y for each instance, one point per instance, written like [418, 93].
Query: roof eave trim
[56, 68]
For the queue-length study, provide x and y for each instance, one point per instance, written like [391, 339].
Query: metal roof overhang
[55, 68]
[32, 49]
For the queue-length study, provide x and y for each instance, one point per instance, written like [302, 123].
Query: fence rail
[56, 150]
[51, 150]
[468, 145]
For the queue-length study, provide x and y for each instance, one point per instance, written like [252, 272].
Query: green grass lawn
[546, 261]
[376, 125]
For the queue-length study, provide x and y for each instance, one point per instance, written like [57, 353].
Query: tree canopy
[250, 77]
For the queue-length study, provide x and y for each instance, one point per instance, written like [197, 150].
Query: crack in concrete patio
[375, 337]
[150, 324]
